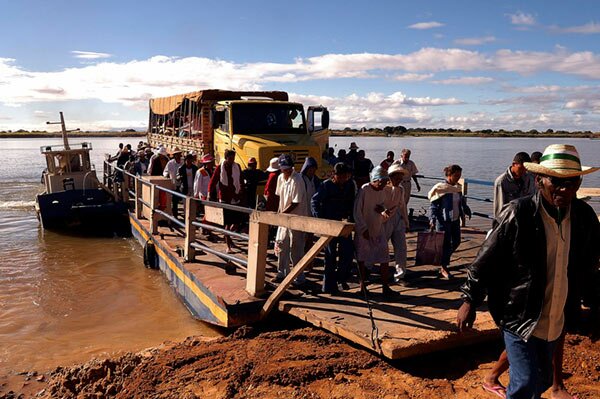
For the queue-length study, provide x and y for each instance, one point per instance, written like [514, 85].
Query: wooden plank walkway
[420, 320]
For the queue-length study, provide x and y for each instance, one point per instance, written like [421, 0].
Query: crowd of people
[537, 266]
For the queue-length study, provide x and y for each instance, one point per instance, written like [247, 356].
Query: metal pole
[64, 131]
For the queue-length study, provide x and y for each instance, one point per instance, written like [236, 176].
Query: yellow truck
[259, 124]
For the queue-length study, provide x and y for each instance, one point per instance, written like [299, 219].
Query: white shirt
[394, 200]
[171, 170]
[291, 191]
[366, 215]
[201, 182]
[558, 240]
[411, 167]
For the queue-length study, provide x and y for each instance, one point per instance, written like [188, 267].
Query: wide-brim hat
[176, 151]
[396, 168]
[560, 160]
[273, 165]
[353, 146]
[163, 151]
[207, 158]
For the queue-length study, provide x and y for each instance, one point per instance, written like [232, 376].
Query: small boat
[73, 198]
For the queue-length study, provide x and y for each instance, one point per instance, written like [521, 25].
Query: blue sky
[461, 64]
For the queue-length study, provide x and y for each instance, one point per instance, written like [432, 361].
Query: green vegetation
[399, 131]
[42, 133]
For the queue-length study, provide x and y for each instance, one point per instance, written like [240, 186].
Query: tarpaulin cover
[166, 105]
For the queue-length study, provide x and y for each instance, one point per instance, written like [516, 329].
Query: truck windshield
[267, 118]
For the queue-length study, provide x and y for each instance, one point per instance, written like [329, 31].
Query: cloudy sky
[461, 64]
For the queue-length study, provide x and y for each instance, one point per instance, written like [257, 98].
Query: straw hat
[273, 165]
[176, 151]
[207, 158]
[560, 160]
[396, 168]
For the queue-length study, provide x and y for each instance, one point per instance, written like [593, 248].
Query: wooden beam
[138, 196]
[154, 198]
[257, 258]
[215, 215]
[321, 227]
[295, 272]
[125, 189]
[191, 210]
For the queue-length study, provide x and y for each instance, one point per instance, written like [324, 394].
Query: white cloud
[586, 29]
[474, 41]
[132, 83]
[522, 19]
[465, 80]
[89, 55]
[426, 25]
[413, 77]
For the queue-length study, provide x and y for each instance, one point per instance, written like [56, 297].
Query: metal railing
[119, 182]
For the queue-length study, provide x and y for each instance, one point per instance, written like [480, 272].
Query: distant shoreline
[26, 135]
[460, 133]
[342, 133]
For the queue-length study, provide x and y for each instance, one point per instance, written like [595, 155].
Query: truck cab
[264, 128]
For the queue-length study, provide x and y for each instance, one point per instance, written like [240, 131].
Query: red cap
[252, 160]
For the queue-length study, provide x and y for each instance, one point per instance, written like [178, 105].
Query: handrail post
[154, 198]
[125, 188]
[191, 210]
[465, 188]
[257, 256]
[104, 172]
[138, 195]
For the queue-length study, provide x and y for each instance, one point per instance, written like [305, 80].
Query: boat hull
[92, 210]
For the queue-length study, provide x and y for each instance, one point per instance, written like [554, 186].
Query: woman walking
[448, 207]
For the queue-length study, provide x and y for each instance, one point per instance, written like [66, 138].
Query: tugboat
[73, 198]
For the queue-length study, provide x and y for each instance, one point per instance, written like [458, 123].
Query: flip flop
[497, 389]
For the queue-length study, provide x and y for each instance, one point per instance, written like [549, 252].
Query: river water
[64, 299]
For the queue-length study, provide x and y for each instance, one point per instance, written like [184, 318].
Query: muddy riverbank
[295, 362]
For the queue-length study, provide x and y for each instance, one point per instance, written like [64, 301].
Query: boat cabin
[68, 169]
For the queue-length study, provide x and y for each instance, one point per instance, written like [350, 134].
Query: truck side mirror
[325, 119]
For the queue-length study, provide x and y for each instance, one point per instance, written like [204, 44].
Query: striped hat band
[559, 160]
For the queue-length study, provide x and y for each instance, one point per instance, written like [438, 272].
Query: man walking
[289, 244]
[538, 263]
[514, 183]
[334, 200]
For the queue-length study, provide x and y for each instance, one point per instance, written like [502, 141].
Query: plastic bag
[430, 246]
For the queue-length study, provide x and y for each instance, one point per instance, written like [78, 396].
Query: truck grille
[299, 155]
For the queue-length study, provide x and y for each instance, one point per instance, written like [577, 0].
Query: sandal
[445, 274]
[496, 389]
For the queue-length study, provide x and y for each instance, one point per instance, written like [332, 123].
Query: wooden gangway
[233, 289]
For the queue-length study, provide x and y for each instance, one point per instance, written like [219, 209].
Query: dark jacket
[331, 202]
[182, 178]
[511, 265]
